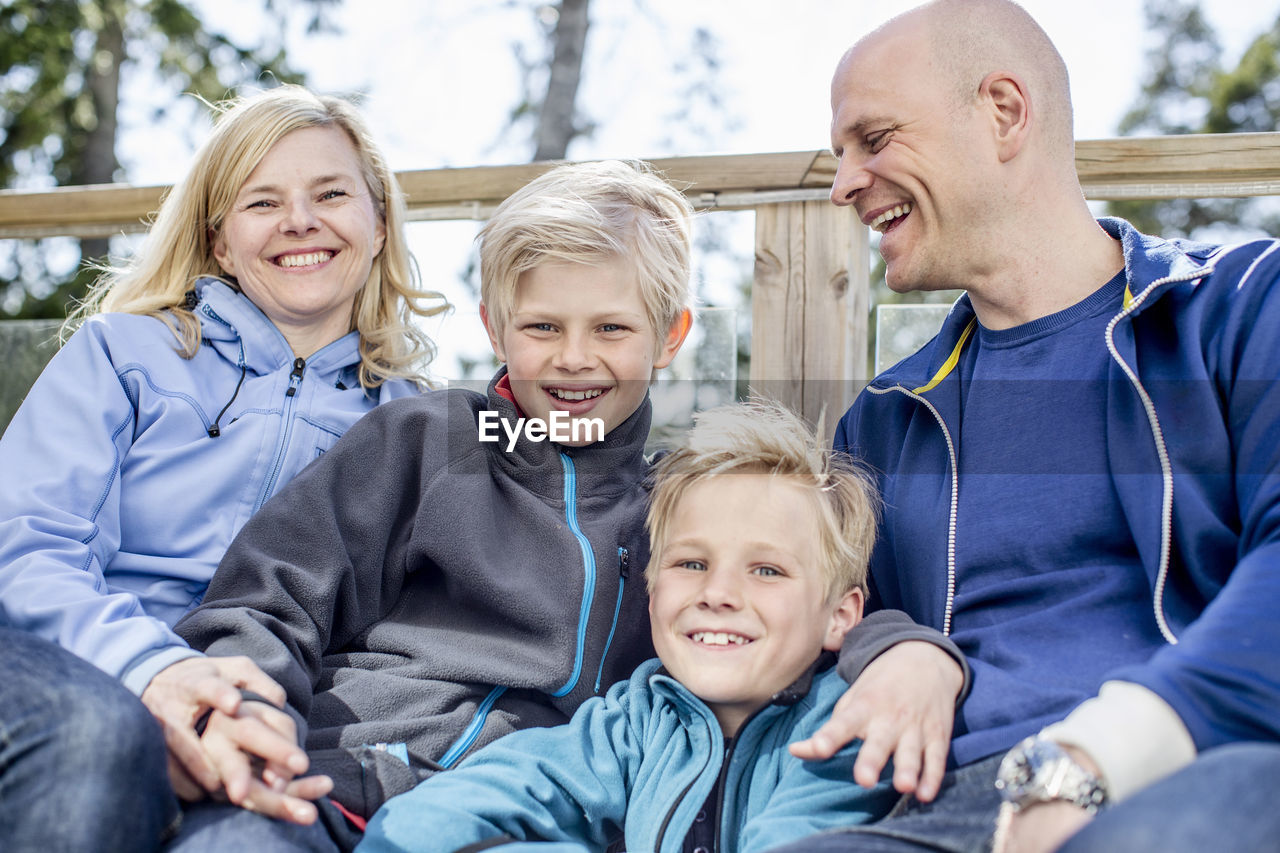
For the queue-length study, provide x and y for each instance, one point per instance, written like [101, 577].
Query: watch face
[1037, 770]
[1018, 770]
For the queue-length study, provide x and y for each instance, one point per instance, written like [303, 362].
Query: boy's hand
[181, 693]
[257, 757]
[902, 705]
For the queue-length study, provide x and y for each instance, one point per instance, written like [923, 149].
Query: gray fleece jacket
[419, 593]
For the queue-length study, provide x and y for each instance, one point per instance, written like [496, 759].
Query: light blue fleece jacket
[640, 762]
[116, 503]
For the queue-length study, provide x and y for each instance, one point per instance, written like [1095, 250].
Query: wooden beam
[1203, 165]
[460, 193]
[809, 308]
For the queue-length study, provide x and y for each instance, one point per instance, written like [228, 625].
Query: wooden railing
[811, 286]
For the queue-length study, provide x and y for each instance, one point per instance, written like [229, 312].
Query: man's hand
[181, 693]
[902, 705]
[257, 757]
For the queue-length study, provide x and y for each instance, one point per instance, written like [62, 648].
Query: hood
[242, 334]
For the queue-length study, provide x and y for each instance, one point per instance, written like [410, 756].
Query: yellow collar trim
[952, 360]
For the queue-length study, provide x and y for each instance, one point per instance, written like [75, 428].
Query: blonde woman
[271, 306]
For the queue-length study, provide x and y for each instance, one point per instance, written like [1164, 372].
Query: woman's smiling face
[301, 236]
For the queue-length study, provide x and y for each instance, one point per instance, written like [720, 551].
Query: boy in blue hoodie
[760, 541]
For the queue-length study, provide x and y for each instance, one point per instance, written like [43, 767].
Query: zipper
[1162, 450]
[473, 729]
[955, 498]
[589, 571]
[295, 380]
[723, 777]
[624, 571]
[671, 812]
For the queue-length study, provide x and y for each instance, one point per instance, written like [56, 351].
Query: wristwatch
[1039, 770]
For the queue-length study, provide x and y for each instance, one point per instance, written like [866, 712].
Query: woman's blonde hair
[588, 213]
[764, 437]
[179, 248]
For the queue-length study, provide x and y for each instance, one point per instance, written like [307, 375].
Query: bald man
[1081, 472]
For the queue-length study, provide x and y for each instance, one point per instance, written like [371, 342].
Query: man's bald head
[969, 39]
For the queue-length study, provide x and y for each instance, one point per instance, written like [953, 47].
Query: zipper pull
[624, 563]
[295, 377]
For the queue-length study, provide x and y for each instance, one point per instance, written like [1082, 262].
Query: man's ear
[495, 340]
[675, 338]
[1009, 104]
[847, 614]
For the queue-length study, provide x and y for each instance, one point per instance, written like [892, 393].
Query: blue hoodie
[117, 502]
[1192, 435]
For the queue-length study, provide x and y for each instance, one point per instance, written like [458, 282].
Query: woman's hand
[256, 755]
[181, 694]
[902, 705]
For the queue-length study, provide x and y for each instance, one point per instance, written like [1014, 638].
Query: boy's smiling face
[739, 607]
[578, 340]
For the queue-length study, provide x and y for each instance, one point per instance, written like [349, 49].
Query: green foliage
[1187, 90]
[62, 63]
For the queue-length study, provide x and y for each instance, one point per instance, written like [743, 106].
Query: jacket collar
[607, 467]
[1152, 265]
[242, 334]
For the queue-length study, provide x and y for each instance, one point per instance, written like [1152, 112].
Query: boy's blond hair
[179, 246]
[589, 213]
[763, 437]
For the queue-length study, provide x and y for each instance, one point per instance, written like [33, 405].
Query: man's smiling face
[911, 158]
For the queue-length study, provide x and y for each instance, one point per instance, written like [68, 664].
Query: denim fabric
[1224, 800]
[82, 761]
[209, 827]
[961, 819]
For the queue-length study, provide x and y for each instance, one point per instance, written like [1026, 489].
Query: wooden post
[809, 305]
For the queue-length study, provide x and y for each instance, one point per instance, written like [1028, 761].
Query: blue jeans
[1224, 800]
[209, 827]
[82, 761]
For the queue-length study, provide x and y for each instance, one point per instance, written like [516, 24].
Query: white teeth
[718, 638]
[565, 394]
[888, 216]
[309, 259]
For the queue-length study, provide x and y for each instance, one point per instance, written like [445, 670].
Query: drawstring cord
[213, 431]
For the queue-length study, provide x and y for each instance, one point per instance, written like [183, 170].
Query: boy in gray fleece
[460, 565]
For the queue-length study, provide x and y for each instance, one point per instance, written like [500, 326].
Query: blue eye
[768, 571]
[332, 194]
[693, 565]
